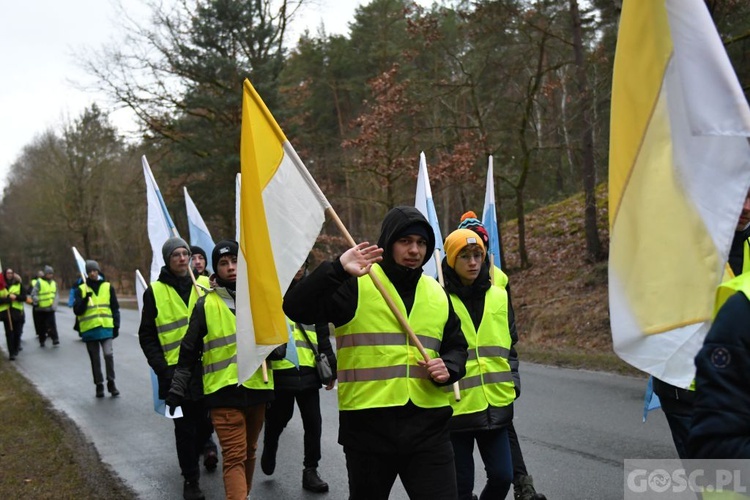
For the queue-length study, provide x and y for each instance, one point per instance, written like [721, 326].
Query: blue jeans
[494, 448]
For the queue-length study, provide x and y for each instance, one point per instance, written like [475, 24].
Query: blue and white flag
[423, 202]
[80, 263]
[489, 216]
[160, 406]
[160, 225]
[199, 233]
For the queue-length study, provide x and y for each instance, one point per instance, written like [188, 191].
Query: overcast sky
[37, 41]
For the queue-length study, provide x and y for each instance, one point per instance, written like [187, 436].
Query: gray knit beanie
[48, 270]
[92, 265]
[171, 245]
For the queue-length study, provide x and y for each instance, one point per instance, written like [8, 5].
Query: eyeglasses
[471, 256]
[180, 254]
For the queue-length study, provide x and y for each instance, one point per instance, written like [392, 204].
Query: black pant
[37, 321]
[13, 322]
[96, 362]
[191, 433]
[519, 466]
[47, 326]
[426, 474]
[280, 412]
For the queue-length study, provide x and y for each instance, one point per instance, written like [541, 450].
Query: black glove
[173, 401]
[115, 332]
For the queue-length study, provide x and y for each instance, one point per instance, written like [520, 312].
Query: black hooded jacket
[473, 297]
[330, 294]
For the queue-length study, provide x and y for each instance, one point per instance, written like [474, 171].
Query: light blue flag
[160, 225]
[489, 216]
[423, 202]
[160, 406]
[291, 347]
[650, 399]
[199, 233]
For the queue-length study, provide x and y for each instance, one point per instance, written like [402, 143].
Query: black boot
[523, 489]
[99, 390]
[311, 481]
[210, 460]
[112, 388]
[268, 458]
[192, 491]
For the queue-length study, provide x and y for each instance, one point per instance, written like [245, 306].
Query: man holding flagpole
[210, 346]
[393, 413]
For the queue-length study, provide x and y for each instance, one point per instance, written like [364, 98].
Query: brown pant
[238, 430]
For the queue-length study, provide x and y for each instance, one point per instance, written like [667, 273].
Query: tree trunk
[593, 245]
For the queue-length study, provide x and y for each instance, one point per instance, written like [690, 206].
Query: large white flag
[678, 174]
[489, 216]
[281, 213]
[160, 225]
[423, 202]
[237, 194]
[199, 233]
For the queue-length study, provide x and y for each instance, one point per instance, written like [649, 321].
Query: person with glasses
[487, 391]
[167, 304]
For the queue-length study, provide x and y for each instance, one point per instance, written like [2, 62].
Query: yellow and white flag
[679, 170]
[282, 211]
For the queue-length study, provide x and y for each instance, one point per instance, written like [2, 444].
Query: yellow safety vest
[16, 289]
[220, 348]
[305, 354]
[500, 279]
[488, 380]
[203, 281]
[4, 293]
[171, 318]
[98, 312]
[377, 365]
[739, 284]
[47, 293]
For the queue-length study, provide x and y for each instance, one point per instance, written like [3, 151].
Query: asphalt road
[576, 427]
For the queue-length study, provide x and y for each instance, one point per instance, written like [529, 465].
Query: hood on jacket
[395, 221]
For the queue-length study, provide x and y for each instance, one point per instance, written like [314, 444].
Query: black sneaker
[311, 481]
[210, 460]
[99, 390]
[268, 458]
[192, 491]
[112, 388]
[55, 343]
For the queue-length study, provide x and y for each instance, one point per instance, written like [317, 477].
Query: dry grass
[561, 300]
[42, 453]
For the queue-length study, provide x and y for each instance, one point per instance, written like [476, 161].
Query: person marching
[167, 304]
[12, 298]
[198, 262]
[44, 297]
[210, 345]
[303, 385]
[35, 306]
[393, 413]
[523, 483]
[98, 313]
[487, 390]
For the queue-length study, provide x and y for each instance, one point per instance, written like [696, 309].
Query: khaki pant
[238, 431]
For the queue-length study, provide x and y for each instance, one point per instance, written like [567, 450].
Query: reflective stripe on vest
[220, 347]
[377, 366]
[47, 292]
[15, 289]
[172, 318]
[305, 355]
[488, 379]
[98, 312]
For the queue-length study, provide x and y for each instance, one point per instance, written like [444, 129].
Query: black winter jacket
[330, 294]
[149, 337]
[473, 297]
[191, 351]
[721, 412]
[303, 378]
